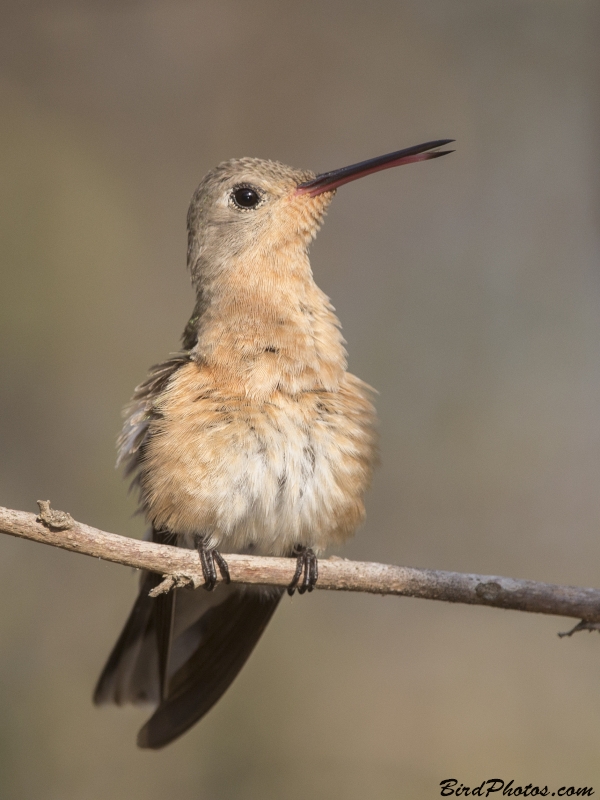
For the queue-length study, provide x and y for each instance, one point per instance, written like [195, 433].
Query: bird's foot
[210, 558]
[306, 562]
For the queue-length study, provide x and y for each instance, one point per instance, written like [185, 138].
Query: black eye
[245, 197]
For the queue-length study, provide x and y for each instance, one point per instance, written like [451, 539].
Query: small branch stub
[175, 582]
[55, 520]
[581, 626]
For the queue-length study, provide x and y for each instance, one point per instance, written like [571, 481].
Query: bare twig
[181, 566]
[584, 625]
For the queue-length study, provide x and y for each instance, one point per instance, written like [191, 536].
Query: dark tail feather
[227, 634]
[164, 616]
[137, 668]
[131, 672]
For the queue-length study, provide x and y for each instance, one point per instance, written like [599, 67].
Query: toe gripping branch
[210, 558]
[306, 562]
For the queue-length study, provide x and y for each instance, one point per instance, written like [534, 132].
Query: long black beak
[329, 181]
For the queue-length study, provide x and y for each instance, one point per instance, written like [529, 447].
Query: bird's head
[254, 209]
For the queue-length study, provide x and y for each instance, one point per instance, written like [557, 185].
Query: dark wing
[140, 412]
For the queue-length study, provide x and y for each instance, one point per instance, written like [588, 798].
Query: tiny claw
[222, 565]
[209, 557]
[307, 563]
[299, 566]
[314, 572]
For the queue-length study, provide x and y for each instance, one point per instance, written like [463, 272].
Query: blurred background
[469, 292]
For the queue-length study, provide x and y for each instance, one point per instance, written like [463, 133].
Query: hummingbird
[253, 438]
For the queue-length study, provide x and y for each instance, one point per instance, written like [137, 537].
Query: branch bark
[180, 566]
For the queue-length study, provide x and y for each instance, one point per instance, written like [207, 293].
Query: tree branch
[180, 566]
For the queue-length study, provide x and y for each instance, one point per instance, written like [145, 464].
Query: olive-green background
[469, 291]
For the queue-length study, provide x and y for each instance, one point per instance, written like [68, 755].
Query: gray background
[468, 289]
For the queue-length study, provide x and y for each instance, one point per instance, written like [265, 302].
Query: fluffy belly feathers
[260, 476]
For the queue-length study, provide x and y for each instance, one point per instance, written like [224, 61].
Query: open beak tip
[329, 181]
[439, 153]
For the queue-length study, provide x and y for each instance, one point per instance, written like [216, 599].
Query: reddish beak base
[328, 181]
